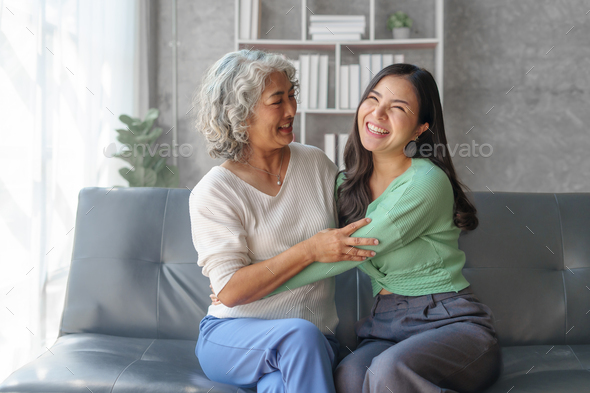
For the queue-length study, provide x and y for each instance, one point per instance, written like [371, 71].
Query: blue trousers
[444, 342]
[277, 355]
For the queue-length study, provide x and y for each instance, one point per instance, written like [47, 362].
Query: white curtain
[68, 69]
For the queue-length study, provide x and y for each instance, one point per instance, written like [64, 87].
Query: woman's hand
[214, 300]
[334, 245]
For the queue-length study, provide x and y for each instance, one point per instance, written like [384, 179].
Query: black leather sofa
[135, 295]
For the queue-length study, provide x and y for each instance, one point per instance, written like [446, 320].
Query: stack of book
[355, 78]
[249, 19]
[312, 73]
[336, 27]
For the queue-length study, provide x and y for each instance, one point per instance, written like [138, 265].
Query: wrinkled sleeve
[413, 209]
[408, 211]
[218, 234]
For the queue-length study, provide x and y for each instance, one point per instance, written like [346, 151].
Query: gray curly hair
[229, 92]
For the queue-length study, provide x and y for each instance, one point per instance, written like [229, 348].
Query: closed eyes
[375, 98]
[281, 101]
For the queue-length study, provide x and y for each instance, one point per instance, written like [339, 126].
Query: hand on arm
[398, 219]
[357, 245]
[214, 300]
[253, 282]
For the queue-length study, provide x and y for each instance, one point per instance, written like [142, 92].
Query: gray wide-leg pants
[445, 342]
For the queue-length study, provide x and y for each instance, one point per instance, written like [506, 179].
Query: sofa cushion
[134, 269]
[544, 368]
[97, 363]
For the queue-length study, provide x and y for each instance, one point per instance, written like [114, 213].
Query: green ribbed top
[418, 252]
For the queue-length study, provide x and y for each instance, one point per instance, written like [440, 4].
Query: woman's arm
[408, 211]
[221, 241]
[253, 282]
[318, 271]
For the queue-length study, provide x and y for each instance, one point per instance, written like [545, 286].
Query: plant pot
[401, 33]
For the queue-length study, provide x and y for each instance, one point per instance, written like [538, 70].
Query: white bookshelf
[436, 44]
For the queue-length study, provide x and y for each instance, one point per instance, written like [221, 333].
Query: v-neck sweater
[234, 224]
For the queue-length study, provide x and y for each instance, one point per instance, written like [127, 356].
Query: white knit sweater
[234, 225]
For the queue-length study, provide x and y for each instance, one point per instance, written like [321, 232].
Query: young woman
[427, 331]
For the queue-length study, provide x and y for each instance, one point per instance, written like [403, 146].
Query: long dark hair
[354, 194]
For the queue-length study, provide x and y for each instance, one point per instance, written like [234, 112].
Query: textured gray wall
[537, 131]
[205, 31]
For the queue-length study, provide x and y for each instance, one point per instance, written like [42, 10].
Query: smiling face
[388, 118]
[271, 127]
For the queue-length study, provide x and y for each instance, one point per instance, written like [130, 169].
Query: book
[330, 146]
[255, 25]
[314, 70]
[398, 58]
[245, 19]
[354, 87]
[375, 64]
[323, 83]
[344, 87]
[336, 28]
[298, 77]
[296, 66]
[365, 65]
[386, 59]
[336, 37]
[342, 139]
[337, 18]
[304, 82]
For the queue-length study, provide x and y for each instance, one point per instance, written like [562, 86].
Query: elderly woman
[257, 220]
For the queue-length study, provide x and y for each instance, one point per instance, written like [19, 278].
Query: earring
[411, 148]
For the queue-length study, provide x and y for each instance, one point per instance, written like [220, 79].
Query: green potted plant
[148, 166]
[399, 23]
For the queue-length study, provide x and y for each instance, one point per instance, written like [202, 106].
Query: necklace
[272, 174]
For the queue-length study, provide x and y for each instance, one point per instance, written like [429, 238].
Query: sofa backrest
[134, 269]
[529, 261]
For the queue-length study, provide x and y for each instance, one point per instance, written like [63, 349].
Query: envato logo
[463, 150]
[163, 150]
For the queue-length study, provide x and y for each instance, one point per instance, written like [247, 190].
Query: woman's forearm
[316, 272]
[255, 281]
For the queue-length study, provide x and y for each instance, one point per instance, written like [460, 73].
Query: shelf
[285, 44]
[329, 111]
[341, 49]
[411, 43]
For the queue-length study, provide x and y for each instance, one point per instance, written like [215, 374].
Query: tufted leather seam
[563, 268]
[188, 262]
[158, 301]
[574, 352]
[565, 306]
[149, 346]
[117, 259]
[160, 268]
[129, 365]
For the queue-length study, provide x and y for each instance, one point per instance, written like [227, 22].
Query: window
[67, 71]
